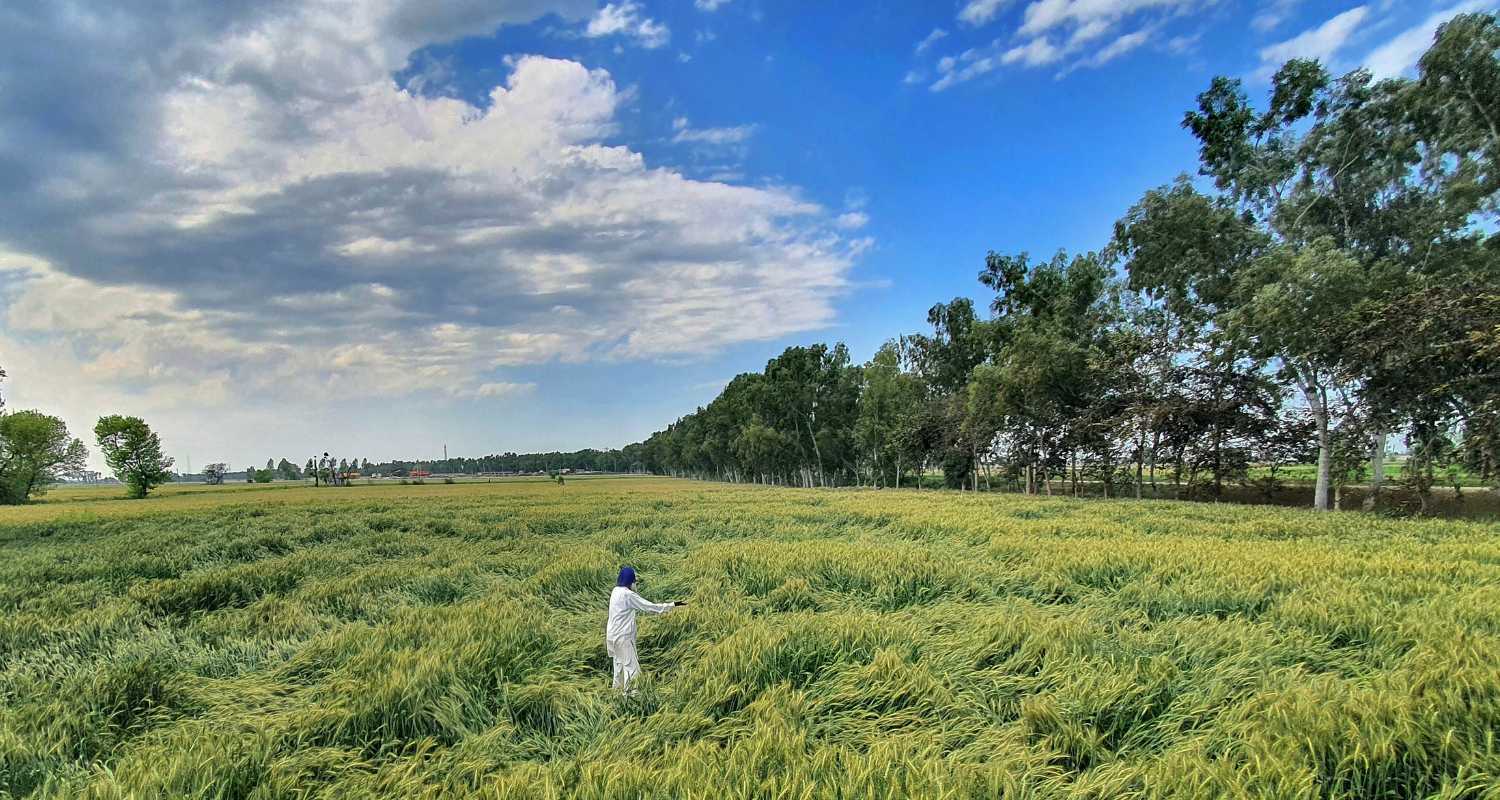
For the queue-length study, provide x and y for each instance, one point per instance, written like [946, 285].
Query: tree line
[327, 469]
[585, 460]
[1331, 280]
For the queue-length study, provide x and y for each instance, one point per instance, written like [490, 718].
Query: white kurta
[619, 632]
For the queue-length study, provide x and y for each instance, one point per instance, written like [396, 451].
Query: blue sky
[281, 227]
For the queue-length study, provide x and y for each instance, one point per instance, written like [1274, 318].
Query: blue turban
[627, 576]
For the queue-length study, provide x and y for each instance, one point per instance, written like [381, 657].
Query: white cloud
[1089, 31]
[1045, 15]
[913, 77]
[979, 12]
[1183, 44]
[685, 133]
[1273, 13]
[710, 5]
[930, 40]
[504, 389]
[1119, 47]
[852, 220]
[1320, 43]
[1064, 32]
[625, 19]
[1036, 52]
[276, 219]
[973, 68]
[1402, 52]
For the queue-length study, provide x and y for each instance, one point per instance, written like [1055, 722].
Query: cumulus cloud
[626, 19]
[255, 209]
[710, 5]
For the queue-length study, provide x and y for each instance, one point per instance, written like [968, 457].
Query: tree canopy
[133, 452]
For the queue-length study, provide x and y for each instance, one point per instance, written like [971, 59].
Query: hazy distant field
[446, 640]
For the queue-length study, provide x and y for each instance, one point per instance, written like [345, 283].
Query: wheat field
[446, 641]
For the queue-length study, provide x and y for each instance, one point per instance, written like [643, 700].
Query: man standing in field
[619, 632]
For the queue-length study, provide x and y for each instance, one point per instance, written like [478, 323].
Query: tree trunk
[816, 453]
[1140, 456]
[1377, 470]
[1155, 445]
[1218, 463]
[1317, 402]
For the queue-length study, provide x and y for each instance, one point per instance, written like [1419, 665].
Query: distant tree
[958, 344]
[213, 474]
[262, 475]
[945, 360]
[287, 470]
[812, 395]
[133, 452]
[270, 465]
[35, 451]
[889, 398]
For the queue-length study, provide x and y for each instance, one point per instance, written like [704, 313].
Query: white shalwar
[619, 633]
